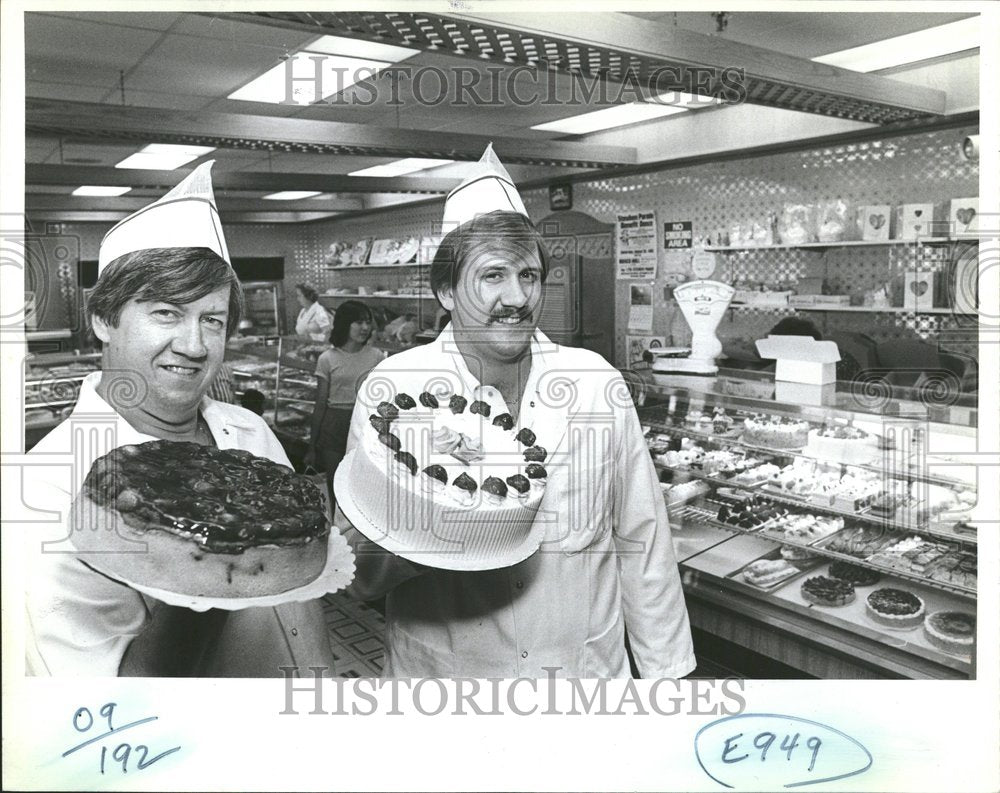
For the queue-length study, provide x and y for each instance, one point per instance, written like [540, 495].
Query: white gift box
[914, 221]
[874, 221]
[801, 359]
[918, 291]
[964, 216]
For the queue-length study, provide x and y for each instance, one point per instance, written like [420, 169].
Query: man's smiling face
[174, 350]
[496, 303]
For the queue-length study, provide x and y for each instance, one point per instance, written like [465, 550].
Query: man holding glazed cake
[165, 302]
[598, 559]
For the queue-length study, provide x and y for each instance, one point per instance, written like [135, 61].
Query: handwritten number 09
[83, 719]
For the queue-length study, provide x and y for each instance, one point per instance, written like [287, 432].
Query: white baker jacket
[314, 322]
[606, 565]
[80, 622]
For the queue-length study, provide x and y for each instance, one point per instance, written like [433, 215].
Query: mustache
[510, 314]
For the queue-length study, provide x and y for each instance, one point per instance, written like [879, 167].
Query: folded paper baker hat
[186, 217]
[487, 189]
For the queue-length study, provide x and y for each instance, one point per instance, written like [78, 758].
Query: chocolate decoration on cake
[526, 437]
[457, 403]
[536, 471]
[380, 424]
[387, 410]
[480, 407]
[536, 454]
[408, 460]
[390, 440]
[465, 482]
[428, 400]
[437, 472]
[504, 421]
[495, 486]
[405, 401]
[519, 482]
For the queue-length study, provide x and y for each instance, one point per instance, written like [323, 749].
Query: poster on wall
[677, 234]
[640, 313]
[636, 345]
[635, 245]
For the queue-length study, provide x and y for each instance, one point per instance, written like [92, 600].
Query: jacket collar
[220, 421]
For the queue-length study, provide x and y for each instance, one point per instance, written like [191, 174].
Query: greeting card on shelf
[964, 216]
[874, 221]
[918, 291]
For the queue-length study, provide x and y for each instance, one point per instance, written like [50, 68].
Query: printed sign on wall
[677, 234]
[635, 245]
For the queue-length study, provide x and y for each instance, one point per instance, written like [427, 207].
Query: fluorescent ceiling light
[400, 167]
[99, 191]
[910, 48]
[342, 63]
[291, 195]
[666, 104]
[164, 156]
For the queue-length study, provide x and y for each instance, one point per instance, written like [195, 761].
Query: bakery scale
[703, 303]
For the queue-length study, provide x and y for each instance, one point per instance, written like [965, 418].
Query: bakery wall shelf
[821, 246]
[849, 309]
[377, 297]
[407, 266]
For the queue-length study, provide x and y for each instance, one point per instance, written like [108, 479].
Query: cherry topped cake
[828, 591]
[895, 608]
[444, 474]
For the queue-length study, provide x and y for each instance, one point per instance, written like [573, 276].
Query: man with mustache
[607, 560]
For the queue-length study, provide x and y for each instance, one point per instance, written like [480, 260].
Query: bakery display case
[282, 369]
[51, 385]
[264, 314]
[835, 539]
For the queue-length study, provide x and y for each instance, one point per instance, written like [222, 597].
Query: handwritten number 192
[84, 721]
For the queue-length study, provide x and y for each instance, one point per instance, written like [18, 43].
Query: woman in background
[313, 321]
[340, 371]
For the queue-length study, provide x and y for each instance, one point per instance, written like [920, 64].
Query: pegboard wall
[920, 168]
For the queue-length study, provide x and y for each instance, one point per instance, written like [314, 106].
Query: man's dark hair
[170, 275]
[794, 326]
[497, 232]
[253, 399]
[308, 292]
[348, 312]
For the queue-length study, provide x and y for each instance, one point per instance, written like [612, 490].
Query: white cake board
[448, 560]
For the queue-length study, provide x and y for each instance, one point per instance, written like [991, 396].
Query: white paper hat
[186, 217]
[487, 189]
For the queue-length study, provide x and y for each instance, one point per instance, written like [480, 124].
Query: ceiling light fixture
[322, 69]
[401, 167]
[291, 195]
[99, 191]
[922, 45]
[667, 104]
[164, 156]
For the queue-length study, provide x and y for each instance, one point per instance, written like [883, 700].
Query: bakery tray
[802, 565]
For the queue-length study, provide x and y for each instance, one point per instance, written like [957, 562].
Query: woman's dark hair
[170, 275]
[348, 312]
[498, 232]
[308, 292]
[794, 326]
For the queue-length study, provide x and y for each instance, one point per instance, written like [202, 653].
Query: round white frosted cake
[443, 478]
[775, 432]
[842, 444]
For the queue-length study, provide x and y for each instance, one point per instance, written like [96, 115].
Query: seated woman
[340, 372]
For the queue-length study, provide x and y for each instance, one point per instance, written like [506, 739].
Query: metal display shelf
[407, 266]
[808, 506]
[378, 297]
[849, 309]
[841, 244]
[954, 589]
[911, 472]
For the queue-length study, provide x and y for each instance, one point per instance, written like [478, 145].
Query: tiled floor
[356, 636]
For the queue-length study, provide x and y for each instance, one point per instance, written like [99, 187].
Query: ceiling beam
[228, 218]
[76, 175]
[49, 201]
[127, 123]
[617, 47]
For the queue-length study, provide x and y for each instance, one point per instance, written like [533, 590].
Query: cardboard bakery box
[801, 359]
[874, 221]
[915, 221]
[964, 216]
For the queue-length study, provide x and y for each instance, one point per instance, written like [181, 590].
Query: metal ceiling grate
[437, 33]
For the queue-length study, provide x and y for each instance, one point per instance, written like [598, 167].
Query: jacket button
[519, 584]
[295, 631]
[524, 654]
[532, 404]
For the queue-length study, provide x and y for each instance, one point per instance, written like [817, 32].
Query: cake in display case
[833, 532]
